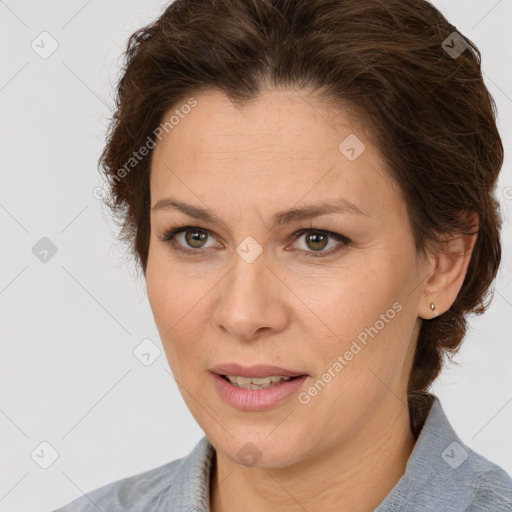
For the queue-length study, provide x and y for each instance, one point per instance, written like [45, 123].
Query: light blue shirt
[442, 474]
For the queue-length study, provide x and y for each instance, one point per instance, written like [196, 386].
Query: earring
[433, 307]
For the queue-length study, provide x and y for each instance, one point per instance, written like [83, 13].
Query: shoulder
[467, 481]
[466, 476]
[491, 485]
[179, 482]
[140, 490]
[455, 479]
[136, 492]
[443, 473]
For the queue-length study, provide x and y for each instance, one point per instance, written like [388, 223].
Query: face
[332, 296]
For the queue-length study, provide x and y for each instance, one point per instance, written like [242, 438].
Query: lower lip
[256, 399]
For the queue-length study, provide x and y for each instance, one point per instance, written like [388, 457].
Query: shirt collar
[190, 488]
[433, 469]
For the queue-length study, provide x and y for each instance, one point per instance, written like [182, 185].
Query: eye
[188, 239]
[316, 240]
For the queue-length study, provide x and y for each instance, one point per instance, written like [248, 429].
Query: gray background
[69, 325]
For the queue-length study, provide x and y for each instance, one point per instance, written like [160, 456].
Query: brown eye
[316, 240]
[195, 238]
[189, 239]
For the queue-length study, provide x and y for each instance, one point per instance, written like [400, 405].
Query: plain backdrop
[69, 325]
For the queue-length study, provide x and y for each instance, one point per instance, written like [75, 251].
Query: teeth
[256, 383]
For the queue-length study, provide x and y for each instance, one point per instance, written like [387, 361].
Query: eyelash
[169, 237]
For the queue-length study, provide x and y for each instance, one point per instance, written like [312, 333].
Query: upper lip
[254, 371]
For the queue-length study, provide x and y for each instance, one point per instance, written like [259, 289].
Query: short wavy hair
[427, 108]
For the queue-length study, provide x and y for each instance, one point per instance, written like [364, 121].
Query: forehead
[283, 146]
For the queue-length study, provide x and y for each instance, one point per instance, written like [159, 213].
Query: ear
[449, 265]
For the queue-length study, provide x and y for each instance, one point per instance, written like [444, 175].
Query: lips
[258, 399]
[255, 371]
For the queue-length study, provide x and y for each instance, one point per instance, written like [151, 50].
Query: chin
[261, 450]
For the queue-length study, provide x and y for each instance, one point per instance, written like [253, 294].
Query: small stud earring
[433, 307]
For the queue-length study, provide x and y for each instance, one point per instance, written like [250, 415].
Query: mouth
[257, 397]
[258, 382]
[256, 388]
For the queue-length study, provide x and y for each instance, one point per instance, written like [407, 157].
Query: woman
[307, 186]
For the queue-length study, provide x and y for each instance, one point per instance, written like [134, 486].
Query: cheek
[359, 314]
[178, 311]
[169, 291]
[345, 300]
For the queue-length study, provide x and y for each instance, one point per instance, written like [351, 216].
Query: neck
[355, 475]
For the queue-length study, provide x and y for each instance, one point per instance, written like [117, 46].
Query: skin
[348, 446]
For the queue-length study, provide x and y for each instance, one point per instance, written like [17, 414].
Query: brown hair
[429, 112]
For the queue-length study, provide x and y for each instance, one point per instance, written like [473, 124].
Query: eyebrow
[341, 205]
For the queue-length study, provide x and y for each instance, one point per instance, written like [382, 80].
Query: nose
[252, 300]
